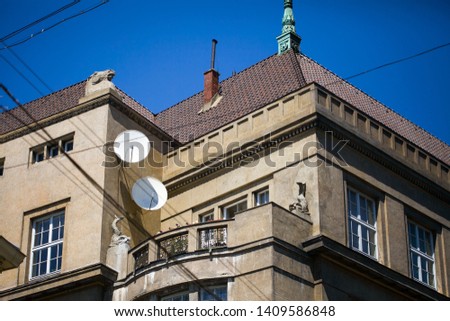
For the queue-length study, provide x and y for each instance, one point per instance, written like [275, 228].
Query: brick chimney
[211, 78]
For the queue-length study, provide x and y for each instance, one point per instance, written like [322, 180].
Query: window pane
[68, 145]
[214, 294]
[206, 217]
[48, 237]
[422, 254]
[363, 209]
[353, 205]
[262, 198]
[362, 218]
[45, 237]
[37, 239]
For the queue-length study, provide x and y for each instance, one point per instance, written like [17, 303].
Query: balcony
[250, 242]
[198, 240]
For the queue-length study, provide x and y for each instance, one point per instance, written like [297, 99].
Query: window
[214, 293]
[262, 197]
[38, 155]
[362, 223]
[47, 244]
[2, 166]
[67, 145]
[421, 250]
[206, 217]
[230, 211]
[52, 151]
[181, 296]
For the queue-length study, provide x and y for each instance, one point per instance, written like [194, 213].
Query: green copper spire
[289, 39]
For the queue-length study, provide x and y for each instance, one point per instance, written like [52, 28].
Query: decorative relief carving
[100, 80]
[118, 238]
[301, 206]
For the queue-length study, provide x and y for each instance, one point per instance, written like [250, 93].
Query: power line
[16, 32]
[391, 63]
[56, 24]
[21, 74]
[109, 198]
[29, 69]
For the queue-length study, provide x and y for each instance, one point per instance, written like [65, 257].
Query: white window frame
[45, 152]
[361, 223]
[259, 193]
[225, 215]
[52, 148]
[421, 255]
[47, 246]
[65, 143]
[204, 291]
[202, 217]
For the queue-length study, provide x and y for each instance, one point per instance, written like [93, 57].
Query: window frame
[59, 243]
[361, 223]
[204, 291]
[224, 208]
[206, 214]
[67, 141]
[38, 155]
[180, 294]
[261, 192]
[50, 150]
[412, 250]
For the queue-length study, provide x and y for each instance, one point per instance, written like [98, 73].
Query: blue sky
[160, 49]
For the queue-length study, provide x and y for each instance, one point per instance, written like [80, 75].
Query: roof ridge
[133, 99]
[372, 98]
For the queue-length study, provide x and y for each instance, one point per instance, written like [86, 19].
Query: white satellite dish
[149, 193]
[131, 146]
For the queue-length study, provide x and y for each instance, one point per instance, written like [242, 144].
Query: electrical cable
[16, 32]
[29, 69]
[99, 188]
[391, 63]
[55, 25]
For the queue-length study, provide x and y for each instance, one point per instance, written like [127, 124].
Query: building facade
[285, 182]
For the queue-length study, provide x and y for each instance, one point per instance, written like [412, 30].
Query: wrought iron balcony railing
[174, 245]
[213, 238]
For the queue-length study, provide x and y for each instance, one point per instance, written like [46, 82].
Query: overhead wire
[50, 90]
[115, 204]
[21, 74]
[55, 24]
[188, 124]
[391, 63]
[20, 30]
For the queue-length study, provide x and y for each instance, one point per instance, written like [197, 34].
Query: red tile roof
[249, 90]
[274, 78]
[255, 87]
[314, 72]
[55, 103]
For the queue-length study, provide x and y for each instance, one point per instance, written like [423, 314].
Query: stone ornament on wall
[301, 205]
[118, 238]
[100, 80]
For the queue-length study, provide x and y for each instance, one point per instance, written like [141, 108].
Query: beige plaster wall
[31, 190]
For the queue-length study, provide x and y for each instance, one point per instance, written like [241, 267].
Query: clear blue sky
[160, 49]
